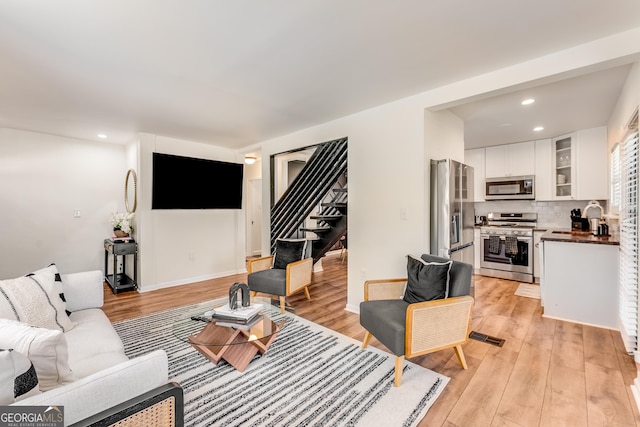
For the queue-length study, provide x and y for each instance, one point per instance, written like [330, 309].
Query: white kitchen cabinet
[475, 158]
[544, 170]
[537, 234]
[563, 156]
[580, 283]
[592, 159]
[510, 160]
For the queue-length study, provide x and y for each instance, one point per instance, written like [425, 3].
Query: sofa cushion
[46, 348]
[35, 300]
[102, 353]
[386, 320]
[18, 378]
[288, 251]
[272, 281]
[426, 281]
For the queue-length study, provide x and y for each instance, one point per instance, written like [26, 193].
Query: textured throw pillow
[426, 281]
[53, 268]
[47, 350]
[18, 378]
[288, 251]
[34, 299]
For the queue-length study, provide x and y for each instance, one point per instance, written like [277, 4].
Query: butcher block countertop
[569, 236]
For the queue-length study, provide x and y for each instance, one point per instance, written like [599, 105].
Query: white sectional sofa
[97, 374]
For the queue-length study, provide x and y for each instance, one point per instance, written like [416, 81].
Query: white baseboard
[353, 309]
[189, 280]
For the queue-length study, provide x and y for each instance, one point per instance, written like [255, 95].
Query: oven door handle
[520, 238]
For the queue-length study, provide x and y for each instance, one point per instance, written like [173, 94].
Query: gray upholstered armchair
[286, 273]
[413, 329]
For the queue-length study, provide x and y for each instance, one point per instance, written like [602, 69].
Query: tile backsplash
[555, 214]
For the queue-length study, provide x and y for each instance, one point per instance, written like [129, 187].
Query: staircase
[320, 186]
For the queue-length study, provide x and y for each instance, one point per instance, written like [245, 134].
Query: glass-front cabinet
[564, 167]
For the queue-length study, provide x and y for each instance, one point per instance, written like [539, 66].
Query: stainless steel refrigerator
[452, 214]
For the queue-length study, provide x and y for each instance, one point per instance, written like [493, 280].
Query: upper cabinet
[570, 167]
[563, 157]
[544, 171]
[510, 160]
[580, 170]
[475, 158]
[592, 170]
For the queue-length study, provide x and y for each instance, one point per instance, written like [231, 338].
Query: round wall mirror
[130, 191]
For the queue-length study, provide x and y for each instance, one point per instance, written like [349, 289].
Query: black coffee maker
[577, 222]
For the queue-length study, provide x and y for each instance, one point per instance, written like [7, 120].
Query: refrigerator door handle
[455, 228]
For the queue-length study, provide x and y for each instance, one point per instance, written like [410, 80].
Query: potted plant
[122, 223]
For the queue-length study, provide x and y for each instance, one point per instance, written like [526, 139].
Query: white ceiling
[234, 73]
[561, 107]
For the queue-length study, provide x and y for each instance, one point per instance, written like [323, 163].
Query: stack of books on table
[242, 317]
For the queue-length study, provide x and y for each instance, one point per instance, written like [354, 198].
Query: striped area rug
[310, 376]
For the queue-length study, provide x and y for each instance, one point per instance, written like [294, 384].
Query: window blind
[615, 171]
[628, 286]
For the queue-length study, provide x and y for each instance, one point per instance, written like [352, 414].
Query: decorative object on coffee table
[233, 295]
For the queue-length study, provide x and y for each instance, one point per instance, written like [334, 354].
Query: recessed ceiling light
[504, 125]
[538, 128]
[102, 136]
[528, 101]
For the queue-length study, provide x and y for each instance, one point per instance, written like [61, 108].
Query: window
[616, 184]
[629, 243]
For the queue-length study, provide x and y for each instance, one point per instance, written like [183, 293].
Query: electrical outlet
[404, 214]
[76, 213]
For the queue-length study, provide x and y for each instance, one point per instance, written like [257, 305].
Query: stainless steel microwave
[510, 188]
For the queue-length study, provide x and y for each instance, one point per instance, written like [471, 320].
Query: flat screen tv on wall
[191, 183]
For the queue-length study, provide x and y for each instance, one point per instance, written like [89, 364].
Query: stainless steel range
[506, 246]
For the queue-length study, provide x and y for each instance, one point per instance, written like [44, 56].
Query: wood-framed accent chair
[410, 330]
[287, 272]
[160, 407]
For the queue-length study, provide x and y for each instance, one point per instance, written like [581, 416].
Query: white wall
[626, 105]
[382, 182]
[43, 179]
[184, 246]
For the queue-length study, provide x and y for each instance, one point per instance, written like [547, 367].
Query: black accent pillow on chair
[426, 281]
[288, 251]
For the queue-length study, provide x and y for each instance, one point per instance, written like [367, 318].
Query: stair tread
[316, 229]
[326, 217]
[336, 204]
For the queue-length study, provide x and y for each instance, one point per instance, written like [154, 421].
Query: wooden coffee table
[235, 345]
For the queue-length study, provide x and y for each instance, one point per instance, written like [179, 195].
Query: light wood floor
[548, 373]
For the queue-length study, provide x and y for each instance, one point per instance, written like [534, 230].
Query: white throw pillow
[46, 348]
[18, 378]
[57, 282]
[34, 299]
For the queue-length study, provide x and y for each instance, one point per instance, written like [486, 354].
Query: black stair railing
[325, 166]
